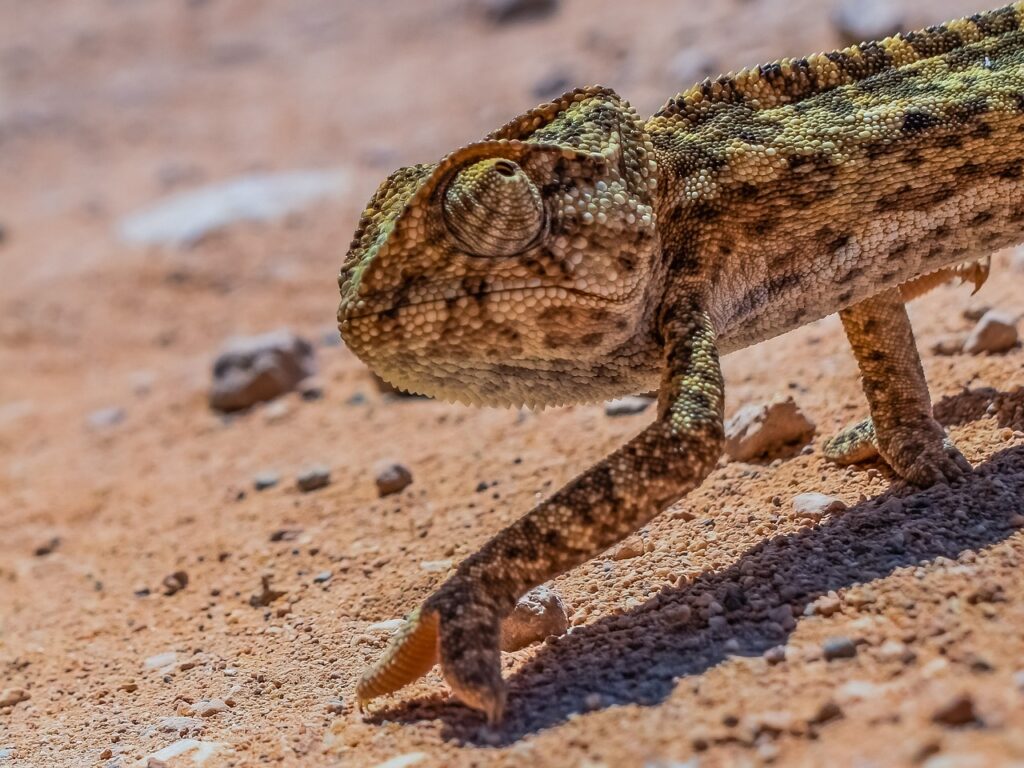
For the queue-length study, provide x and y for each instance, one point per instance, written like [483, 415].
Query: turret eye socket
[505, 168]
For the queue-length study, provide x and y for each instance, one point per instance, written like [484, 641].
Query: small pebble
[540, 613]
[839, 648]
[392, 477]
[827, 712]
[775, 655]
[505, 11]
[10, 697]
[210, 707]
[957, 711]
[174, 583]
[996, 332]
[814, 506]
[894, 650]
[628, 549]
[106, 418]
[767, 429]
[47, 548]
[436, 566]
[336, 706]
[313, 478]
[628, 406]
[323, 577]
[311, 389]
[265, 480]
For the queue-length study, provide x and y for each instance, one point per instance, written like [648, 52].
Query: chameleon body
[581, 253]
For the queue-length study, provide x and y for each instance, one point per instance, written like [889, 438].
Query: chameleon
[581, 253]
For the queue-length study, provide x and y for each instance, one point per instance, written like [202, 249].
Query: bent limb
[460, 623]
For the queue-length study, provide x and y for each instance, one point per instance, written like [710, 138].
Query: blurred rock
[974, 314]
[690, 66]
[959, 710]
[391, 477]
[313, 478]
[839, 648]
[13, 696]
[995, 332]
[253, 369]
[541, 612]
[3, 234]
[47, 548]
[627, 406]
[766, 429]
[265, 480]
[858, 21]
[174, 583]
[552, 85]
[503, 11]
[185, 219]
[106, 417]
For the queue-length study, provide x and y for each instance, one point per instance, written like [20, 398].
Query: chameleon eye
[492, 208]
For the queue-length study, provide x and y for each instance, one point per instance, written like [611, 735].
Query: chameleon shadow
[640, 656]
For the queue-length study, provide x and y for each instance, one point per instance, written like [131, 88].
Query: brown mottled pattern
[580, 253]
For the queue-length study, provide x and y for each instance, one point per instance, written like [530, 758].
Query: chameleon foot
[921, 454]
[464, 636]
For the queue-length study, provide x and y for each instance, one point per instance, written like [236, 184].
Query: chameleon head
[515, 271]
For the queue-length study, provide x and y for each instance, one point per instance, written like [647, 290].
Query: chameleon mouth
[559, 292]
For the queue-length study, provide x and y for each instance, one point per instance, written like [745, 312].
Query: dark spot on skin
[871, 325]
[981, 218]
[764, 225]
[875, 355]
[592, 339]
[941, 231]
[940, 195]
[899, 251]
[1011, 171]
[982, 131]
[840, 241]
[917, 122]
[950, 142]
[845, 297]
[913, 158]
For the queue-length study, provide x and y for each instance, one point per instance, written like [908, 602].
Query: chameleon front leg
[460, 623]
[901, 427]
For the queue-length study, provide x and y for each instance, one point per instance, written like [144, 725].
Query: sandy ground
[706, 649]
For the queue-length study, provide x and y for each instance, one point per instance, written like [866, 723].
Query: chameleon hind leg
[901, 428]
[460, 624]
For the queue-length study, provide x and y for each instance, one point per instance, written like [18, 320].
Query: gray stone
[859, 20]
[504, 11]
[839, 648]
[184, 219]
[313, 478]
[265, 480]
[628, 406]
[254, 369]
[391, 477]
[995, 332]
[766, 429]
[106, 417]
[540, 613]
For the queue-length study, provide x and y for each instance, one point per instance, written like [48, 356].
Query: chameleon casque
[580, 253]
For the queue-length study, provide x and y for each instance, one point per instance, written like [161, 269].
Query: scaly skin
[580, 253]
